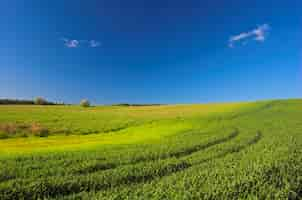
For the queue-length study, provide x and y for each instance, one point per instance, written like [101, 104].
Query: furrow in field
[51, 187]
[100, 166]
[177, 154]
[188, 165]
[235, 149]
[224, 153]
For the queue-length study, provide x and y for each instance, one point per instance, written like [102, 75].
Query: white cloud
[259, 34]
[73, 43]
[94, 43]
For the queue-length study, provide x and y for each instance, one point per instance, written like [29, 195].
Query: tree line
[36, 101]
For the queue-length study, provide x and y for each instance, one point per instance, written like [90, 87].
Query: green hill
[248, 150]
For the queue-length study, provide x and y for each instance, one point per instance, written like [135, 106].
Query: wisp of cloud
[259, 34]
[73, 43]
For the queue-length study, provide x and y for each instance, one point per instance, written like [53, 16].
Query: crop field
[249, 150]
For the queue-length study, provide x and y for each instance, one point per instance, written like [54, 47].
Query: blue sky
[160, 51]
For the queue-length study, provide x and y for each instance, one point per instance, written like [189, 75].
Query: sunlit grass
[104, 125]
[215, 151]
[142, 133]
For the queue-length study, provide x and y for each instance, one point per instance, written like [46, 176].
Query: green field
[250, 150]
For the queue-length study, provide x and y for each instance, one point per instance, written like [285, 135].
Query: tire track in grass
[63, 186]
[99, 166]
[110, 166]
[177, 154]
[7, 175]
[187, 165]
[235, 149]
[107, 166]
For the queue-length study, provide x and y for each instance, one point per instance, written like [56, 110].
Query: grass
[215, 151]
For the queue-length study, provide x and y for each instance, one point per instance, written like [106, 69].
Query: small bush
[38, 130]
[3, 135]
[9, 128]
[85, 103]
[22, 130]
[43, 132]
[40, 101]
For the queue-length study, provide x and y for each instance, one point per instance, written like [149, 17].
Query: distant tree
[84, 103]
[40, 101]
